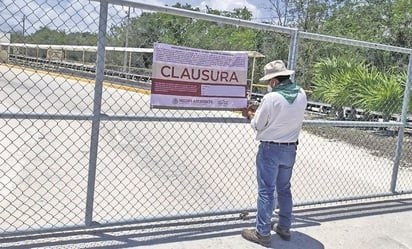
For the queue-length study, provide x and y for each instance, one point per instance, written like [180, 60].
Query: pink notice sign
[198, 79]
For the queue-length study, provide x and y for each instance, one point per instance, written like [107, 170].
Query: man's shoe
[283, 233]
[252, 235]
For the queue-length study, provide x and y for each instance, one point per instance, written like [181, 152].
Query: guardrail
[115, 75]
[82, 70]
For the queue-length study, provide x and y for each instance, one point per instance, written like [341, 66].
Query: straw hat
[274, 69]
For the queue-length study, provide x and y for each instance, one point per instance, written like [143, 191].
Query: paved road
[149, 169]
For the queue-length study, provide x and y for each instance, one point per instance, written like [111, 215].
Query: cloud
[82, 16]
[229, 5]
[70, 16]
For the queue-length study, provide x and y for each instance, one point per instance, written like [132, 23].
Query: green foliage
[347, 79]
[239, 13]
[379, 21]
[47, 36]
[332, 80]
[148, 28]
[384, 96]
[17, 37]
[402, 79]
[399, 28]
[344, 82]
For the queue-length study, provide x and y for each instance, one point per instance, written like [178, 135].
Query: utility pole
[126, 43]
[24, 34]
[24, 27]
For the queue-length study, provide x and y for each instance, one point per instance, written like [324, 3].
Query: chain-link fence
[80, 145]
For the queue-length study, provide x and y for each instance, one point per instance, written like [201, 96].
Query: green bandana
[287, 89]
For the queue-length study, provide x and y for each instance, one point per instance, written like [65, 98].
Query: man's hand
[249, 112]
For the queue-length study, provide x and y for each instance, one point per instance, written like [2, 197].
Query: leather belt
[278, 143]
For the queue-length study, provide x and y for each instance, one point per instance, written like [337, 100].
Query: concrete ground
[376, 224]
[384, 223]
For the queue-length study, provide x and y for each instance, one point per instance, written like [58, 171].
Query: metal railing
[77, 152]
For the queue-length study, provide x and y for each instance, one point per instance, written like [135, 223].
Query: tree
[46, 35]
[380, 21]
[148, 28]
[306, 15]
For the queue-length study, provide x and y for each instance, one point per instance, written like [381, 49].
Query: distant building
[4, 39]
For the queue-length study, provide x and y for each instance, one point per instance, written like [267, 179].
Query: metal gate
[80, 145]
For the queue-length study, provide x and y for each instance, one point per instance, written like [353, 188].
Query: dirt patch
[380, 142]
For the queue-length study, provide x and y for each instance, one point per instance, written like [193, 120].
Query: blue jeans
[274, 164]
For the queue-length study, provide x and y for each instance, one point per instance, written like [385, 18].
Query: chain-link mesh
[162, 163]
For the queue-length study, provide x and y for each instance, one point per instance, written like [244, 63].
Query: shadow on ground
[160, 234]
[298, 241]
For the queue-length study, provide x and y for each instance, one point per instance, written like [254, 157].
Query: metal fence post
[293, 51]
[401, 132]
[101, 45]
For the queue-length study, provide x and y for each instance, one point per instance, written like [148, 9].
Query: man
[277, 122]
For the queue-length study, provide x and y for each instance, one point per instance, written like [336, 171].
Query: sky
[259, 8]
[82, 15]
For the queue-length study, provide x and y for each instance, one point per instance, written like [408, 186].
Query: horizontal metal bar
[358, 43]
[180, 217]
[97, 226]
[250, 24]
[353, 198]
[75, 230]
[76, 47]
[176, 119]
[351, 123]
[202, 16]
[44, 116]
[105, 117]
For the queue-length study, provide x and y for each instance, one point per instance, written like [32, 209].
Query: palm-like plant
[401, 78]
[334, 82]
[342, 82]
[384, 96]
